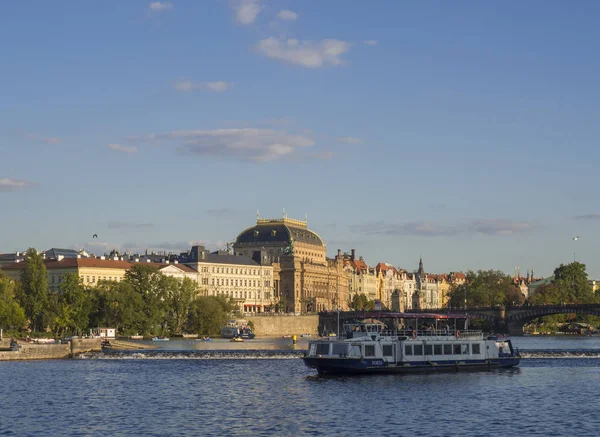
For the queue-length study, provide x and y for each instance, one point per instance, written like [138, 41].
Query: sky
[462, 132]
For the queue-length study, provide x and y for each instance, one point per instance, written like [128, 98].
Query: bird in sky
[95, 236]
[575, 238]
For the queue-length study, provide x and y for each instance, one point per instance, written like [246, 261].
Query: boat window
[464, 349]
[339, 349]
[407, 349]
[437, 349]
[313, 348]
[370, 350]
[388, 350]
[476, 348]
[447, 349]
[322, 349]
[418, 349]
[456, 349]
[428, 349]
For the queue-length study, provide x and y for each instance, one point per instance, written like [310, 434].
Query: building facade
[305, 280]
[249, 283]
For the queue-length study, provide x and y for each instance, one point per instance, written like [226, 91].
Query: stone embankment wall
[81, 345]
[276, 325]
[37, 352]
[30, 351]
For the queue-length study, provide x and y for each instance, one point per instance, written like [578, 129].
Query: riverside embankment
[32, 351]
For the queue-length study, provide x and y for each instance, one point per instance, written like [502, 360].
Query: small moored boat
[160, 339]
[237, 339]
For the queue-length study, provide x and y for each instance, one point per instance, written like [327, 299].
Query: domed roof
[279, 231]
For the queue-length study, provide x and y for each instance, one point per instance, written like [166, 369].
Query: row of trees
[145, 302]
[490, 288]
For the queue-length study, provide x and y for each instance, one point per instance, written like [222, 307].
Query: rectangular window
[464, 349]
[418, 349]
[388, 350]
[456, 349]
[339, 349]
[476, 348]
[437, 349]
[369, 350]
[447, 349]
[322, 349]
[428, 349]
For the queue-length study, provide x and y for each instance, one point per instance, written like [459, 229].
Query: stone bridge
[508, 320]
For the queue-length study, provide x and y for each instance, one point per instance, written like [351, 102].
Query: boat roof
[398, 315]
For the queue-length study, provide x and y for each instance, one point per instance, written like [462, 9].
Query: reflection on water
[224, 344]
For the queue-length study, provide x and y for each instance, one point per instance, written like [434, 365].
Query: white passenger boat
[369, 348]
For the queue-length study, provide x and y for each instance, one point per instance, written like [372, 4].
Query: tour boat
[160, 339]
[368, 348]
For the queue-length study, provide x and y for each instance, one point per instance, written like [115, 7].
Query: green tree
[32, 293]
[118, 305]
[206, 316]
[148, 282]
[361, 302]
[485, 288]
[12, 315]
[73, 305]
[180, 295]
[572, 281]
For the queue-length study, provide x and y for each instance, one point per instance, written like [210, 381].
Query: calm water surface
[223, 389]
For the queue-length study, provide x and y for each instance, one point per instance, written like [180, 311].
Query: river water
[262, 388]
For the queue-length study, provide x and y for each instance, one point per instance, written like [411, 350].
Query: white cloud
[123, 149]
[246, 11]
[188, 85]
[436, 229]
[8, 184]
[370, 42]
[47, 140]
[287, 15]
[158, 6]
[247, 144]
[310, 54]
[348, 140]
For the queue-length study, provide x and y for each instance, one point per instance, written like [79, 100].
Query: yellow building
[89, 270]
[305, 280]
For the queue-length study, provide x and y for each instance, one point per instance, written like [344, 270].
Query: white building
[246, 281]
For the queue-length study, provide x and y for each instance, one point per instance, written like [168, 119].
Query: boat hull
[345, 366]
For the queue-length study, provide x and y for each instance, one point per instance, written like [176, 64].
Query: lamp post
[575, 239]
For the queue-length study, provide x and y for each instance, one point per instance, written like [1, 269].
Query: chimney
[78, 255]
[361, 258]
[175, 262]
[352, 256]
[102, 257]
[137, 260]
[166, 261]
[115, 258]
[147, 260]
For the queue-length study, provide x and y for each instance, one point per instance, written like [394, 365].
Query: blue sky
[464, 132]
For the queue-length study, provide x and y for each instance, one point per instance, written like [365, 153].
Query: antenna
[257, 214]
[283, 212]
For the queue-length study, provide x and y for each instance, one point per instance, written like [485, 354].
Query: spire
[283, 212]
[421, 270]
[257, 214]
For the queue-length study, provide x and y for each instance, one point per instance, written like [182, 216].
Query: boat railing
[427, 333]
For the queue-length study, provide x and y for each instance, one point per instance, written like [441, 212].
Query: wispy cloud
[247, 144]
[220, 212]
[370, 42]
[348, 140]
[287, 15]
[159, 7]
[435, 229]
[593, 216]
[43, 139]
[9, 184]
[128, 225]
[309, 54]
[188, 85]
[122, 149]
[246, 11]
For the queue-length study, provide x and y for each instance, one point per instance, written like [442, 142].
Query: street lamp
[575, 239]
